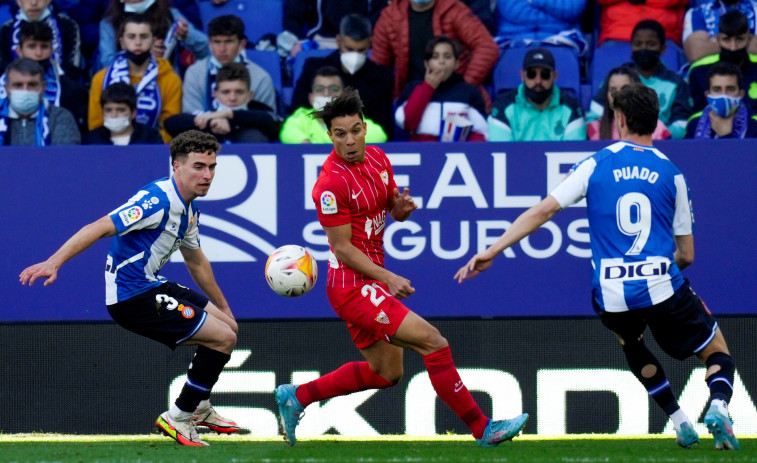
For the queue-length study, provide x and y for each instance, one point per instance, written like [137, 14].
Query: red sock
[452, 391]
[349, 378]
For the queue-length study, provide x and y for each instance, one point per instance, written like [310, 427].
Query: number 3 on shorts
[171, 303]
[372, 293]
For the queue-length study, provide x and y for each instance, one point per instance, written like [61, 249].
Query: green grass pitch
[390, 449]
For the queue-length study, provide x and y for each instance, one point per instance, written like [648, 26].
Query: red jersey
[358, 194]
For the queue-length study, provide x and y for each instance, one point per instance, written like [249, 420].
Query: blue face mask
[25, 102]
[422, 2]
[139, 7]
[724, 105]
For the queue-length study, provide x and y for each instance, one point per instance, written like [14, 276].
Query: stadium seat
[270, 61]
[301, 57]
[613, 54]
[5, 13]
[507, 71]
[260, 17]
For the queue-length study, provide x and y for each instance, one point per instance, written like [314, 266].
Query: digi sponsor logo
[131, 215]
[328, 203]
[635, 270]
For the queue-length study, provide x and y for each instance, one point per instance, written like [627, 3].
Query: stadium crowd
[456, 70]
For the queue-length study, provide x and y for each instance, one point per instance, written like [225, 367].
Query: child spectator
[237, 118]
[300, 127]
[443, 95]
[66, 38]
[173, 33]
[604, 128]
[726, 114]
[119, 108]
[157, 85]
[25, 117]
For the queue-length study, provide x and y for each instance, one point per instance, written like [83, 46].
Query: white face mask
[352, 61]
[139, 7]
[222, 107]
[320, 101]
[117, 124]
[25, 102]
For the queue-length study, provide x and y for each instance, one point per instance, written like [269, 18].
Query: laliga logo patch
[328, 203]
[131, 215]
[186, 311]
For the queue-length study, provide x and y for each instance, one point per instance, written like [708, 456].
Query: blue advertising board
[468, 192]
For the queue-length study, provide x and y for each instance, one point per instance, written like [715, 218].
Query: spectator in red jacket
[405, 27]
[618, 17]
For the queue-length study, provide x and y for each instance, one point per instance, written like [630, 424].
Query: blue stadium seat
[270, 61]
[507, 71]
[5, 13]
[301, 57]
[613, 54]
[260, 17]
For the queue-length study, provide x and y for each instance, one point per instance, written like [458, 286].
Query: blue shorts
[170, 313]
[682, 325]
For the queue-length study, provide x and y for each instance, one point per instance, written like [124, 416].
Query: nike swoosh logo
[458, 389]
[354, 196]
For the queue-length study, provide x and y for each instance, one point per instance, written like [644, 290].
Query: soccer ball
[291, 270]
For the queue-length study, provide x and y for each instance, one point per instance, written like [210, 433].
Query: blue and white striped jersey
[637, 201]
[152, 224]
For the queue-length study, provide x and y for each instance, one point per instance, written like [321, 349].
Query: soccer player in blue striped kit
[158, 220]
[640, 224]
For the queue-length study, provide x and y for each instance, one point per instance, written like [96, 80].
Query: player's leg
[719, 378]
[629, 327]
[417, 334]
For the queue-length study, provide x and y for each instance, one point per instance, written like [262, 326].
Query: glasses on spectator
[331, 88]
[545, 74]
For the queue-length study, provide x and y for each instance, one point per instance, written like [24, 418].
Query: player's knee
[391, 373]
[719, 364]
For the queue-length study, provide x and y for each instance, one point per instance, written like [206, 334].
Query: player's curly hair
[348, 103]
[193, 141]
[640, 105]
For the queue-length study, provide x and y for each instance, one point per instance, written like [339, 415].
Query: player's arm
[340, 238]
[402, 205]
[202, 273]
[523, 226]
[80, 241]
[684, 255]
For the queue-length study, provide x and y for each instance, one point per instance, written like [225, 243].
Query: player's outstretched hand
[475, 265]
[403, 204]
[41, 270]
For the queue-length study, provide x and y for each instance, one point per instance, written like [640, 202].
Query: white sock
[179, 414]
[721, 405]
[679, 417]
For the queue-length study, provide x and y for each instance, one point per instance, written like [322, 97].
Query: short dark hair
[326, 71]
[650, 25]
[733, 23]
[37, 30]
[641, 107]
[119, 92]
[233, 71]
[193, 141]
[428, 52]
[25, 66]
[227, 24]
[724, 68]
[356, 27]
[136, 18]
[348, 103]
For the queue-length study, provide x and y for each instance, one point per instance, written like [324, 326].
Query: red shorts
[371, 312]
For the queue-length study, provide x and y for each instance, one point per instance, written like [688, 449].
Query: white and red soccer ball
[291, 270]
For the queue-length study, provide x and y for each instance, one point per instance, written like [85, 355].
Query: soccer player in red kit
[353, 195]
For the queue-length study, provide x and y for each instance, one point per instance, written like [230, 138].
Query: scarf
[50, 20]
[213, 67]
[148, 92]
[41, 124]
[52, 85]
[740, 123]
[712, 14]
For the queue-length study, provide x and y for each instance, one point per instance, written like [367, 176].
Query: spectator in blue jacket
[553, 22]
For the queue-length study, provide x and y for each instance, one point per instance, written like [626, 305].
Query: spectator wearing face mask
[726, 115]
[301, 128]
[647, 45]
[119, 106]
[373, 81]
[734, 38]
[28, 119]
